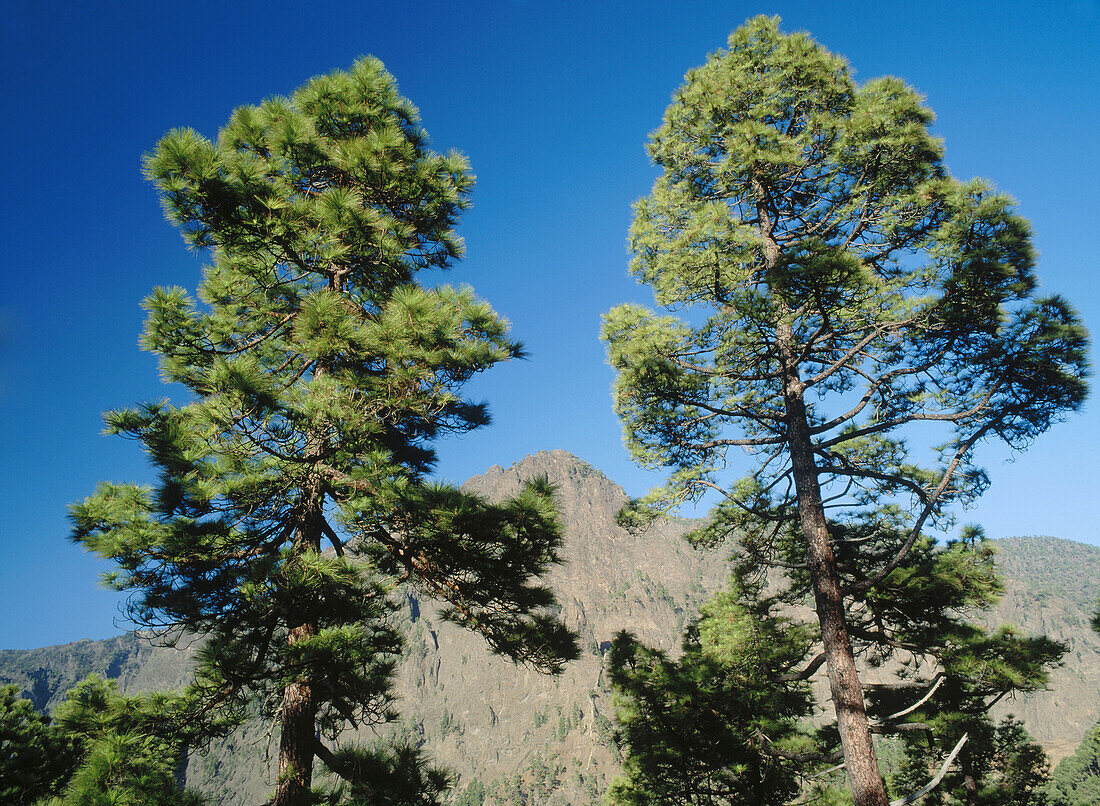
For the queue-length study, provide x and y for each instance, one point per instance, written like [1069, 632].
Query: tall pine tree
[847, 297]
[293, 485]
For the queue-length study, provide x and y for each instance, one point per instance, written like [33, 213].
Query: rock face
[522, 737]
[517, 732]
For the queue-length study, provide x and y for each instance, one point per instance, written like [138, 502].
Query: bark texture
[296, 743]
[298, 713]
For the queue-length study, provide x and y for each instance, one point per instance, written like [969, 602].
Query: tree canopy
[317, 372]
[99, 749]
[841, 298]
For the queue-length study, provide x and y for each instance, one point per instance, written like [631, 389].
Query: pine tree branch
[929, 505]
[916, 705]
[896, 422]
[924, 790]
[904, 727]
[769, 747]
[828, 770]
[257, 340]
[333, 538]
[329, 758]
[806, 673]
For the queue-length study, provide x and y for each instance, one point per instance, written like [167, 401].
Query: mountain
[528, 738]
[1051, 588]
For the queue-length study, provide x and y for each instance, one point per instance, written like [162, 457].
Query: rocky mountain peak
[561, 468]
[587, 499]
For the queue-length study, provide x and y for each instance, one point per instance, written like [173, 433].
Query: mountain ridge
[524, 737]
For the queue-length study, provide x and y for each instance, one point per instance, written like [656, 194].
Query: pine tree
[126, 749]
[846, 297]
[34, 758]
[294, 482]
[719, 725]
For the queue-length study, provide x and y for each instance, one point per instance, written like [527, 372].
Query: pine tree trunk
[860, 761]
[298, 714]
[844, 684]
[296, 742]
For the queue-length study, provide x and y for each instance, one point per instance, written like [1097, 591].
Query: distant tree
[1076, 780]
[318, 374]
[35, 759]
[844, 293]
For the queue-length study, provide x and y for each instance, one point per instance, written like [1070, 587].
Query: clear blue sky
[552, 102]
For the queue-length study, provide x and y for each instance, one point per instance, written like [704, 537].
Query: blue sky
[552, 103]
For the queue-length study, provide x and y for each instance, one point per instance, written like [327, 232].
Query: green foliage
[35, 758]
[388, 776]
[1076, 780]
[101, 749]
[831, 296]
[920, 610]
[567, 723]
[126, 770]
[473, 794]
[719, 725]
[1002, 766]
[129, 747]
[319, 373]
[540, 718]
[534, 785]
